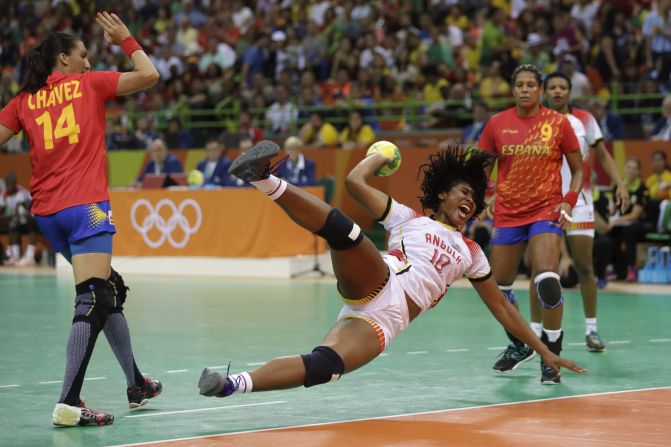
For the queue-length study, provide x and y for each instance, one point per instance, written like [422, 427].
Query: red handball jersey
[530, 150]
[65, 126]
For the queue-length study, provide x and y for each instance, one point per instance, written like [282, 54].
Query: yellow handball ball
[388, 149]
[195, 178]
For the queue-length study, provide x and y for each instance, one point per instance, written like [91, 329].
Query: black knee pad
[120, 290]
[321, 366]
[340, 231]
[549, 290]
[95, 299]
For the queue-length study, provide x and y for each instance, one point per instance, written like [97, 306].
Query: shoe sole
[550, 382]
[262, 149]
[209, 383]
[498, 371]
[596, 349]
[134, 406]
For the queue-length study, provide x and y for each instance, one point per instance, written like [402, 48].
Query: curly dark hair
[458, 163]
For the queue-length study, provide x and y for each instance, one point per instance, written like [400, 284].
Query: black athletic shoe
[513, 357]
[138, 396]
[68, 416]
[254, 164]
[548, 376]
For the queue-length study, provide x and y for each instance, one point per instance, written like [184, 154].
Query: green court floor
[181, 325]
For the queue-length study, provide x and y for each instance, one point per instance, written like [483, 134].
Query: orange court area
[622, 419]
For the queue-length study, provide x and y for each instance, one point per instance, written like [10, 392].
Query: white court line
[50, 382]
[576, 343]
[9, 386]
[94, 378]
[198, 410]
[660, 340]
[217, 367]
[496, 348]
[417, 352]
[449, 410]
[172, 371]
[457, 350]
[619, 342]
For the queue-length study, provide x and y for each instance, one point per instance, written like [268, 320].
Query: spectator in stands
[220, 54]
[356, 134]
[579, 81]
[317, 132]
[659, 182]
[472, 132]
[297, 169]
[611, 123]
[493, 86]
[662, 130]
[215, 165]
[16, 219]
[657, 32]
[282, 115]
[625, 226]
[536, 55]
[247, 126]
[161, 161]
[176, 136]
[143, 133]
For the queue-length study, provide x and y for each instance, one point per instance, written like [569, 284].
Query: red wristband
[571, 198]
[129, 45]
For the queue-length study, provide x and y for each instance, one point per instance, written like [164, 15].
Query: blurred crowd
[263, 66]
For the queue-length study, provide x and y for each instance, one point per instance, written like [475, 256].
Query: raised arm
[144, 74]
[371, 199]
[511, 319]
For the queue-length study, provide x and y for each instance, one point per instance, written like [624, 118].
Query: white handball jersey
[428, 256]
[589, 134]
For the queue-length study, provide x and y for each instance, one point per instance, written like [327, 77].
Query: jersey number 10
[66, 126]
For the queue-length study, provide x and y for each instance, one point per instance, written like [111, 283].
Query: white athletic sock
[552, 335]
[242, 381]
[16, 250]
[30, 251]
[536, 327]
[273, 187]
[590, 325]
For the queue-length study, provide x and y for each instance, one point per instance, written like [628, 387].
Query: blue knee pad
[340, 231]
[507, 291]
[321, 366]
[95, 299]
[549, 290]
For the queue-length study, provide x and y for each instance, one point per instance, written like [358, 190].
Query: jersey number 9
[66, 126]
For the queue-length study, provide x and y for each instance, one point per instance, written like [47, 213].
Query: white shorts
[387, 312]
[583, 216]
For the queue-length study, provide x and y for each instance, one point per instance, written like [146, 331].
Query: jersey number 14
[66, 126]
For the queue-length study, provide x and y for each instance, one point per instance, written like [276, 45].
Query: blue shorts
[70, 231]
[515, 235]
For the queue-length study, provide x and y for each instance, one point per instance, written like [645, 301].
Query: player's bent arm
[609, 166]
[371, 199]
[142, 77]
[5, 134]
[574, 160]
[507, 315]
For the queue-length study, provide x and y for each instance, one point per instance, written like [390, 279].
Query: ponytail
[41, 60]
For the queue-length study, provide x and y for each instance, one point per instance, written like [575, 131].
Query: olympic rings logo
[154, 219]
